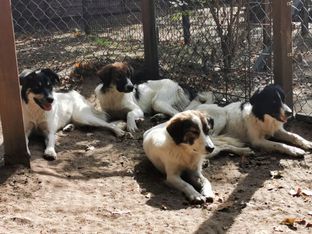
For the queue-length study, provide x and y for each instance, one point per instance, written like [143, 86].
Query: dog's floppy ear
[210, 122]
[207, 122]
[24, 79]
[177, 129]
[280, 91]
[52, 75]
[131, 70]
[254, 97]
[25, 75]
[105, 74]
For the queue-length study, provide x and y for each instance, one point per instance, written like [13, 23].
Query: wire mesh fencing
[302, 44]
[61, 33]
[220, 45]
[223, 46]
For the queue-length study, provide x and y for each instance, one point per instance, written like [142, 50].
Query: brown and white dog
[180, 145]
[124, 101]
[47, 111]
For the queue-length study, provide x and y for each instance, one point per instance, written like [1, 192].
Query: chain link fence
[219, 45]
[223, 46]
[61, 33]
[302, 44]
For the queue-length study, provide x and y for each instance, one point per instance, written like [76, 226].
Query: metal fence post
[282, 47]
[150, 39]
[10, 98]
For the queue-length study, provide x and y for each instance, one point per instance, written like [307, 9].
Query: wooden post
[282, 47]
[10, 99]
[150, 39]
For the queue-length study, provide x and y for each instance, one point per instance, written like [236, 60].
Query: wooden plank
[10, 99]
[282, 47]
[150, 39]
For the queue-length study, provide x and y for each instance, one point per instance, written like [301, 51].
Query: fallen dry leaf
[278, 229]
[276, 174]
[292, 221]
[306, 192]
[225, 207]
[295, 193]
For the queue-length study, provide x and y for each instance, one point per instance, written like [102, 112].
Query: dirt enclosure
[101, 184]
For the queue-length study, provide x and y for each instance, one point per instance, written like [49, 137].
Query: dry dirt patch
[101, 184]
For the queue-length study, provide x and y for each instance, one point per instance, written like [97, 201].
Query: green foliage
[105, 42]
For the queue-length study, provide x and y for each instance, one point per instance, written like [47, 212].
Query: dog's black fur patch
[269, 101]
[137, 93]
[178, 128]
[111, 75]
[189, 91]
[39, 81]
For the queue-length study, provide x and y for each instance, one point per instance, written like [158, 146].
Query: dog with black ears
[124, 101]
[258, 120]
[48, 111]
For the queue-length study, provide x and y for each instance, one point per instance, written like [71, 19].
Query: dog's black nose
[209, 148]
[129, 87]
[288, 113]
[50, 99]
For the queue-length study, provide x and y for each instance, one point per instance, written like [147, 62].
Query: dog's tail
[201, 98]
[206, 97]
[223, 139]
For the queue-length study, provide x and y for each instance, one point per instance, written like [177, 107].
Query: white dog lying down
[180, 145]
[122, 100]
[49, 111]
[255, 121]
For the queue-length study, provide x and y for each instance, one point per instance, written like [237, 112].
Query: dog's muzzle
[129, 88]
[285, 114]
[209, 146]
[45, 103]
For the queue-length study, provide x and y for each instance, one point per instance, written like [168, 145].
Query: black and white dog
[258, 120]
[48, 111]
[179, 146]
[122, 100]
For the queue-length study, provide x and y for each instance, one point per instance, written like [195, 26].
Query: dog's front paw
[69, 128]
[294, 151]
[197, 198]
[208, 194]
[246, 151]
[119, 133]
[307, 145]
[160, 117]
[132, 127]
[50, 154]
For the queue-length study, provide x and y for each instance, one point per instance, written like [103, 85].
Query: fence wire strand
[221, 45]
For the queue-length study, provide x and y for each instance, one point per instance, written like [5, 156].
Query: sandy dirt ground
[101, 184]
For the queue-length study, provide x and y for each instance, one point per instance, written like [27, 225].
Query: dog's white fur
[243, 125]
[160, 96]
[172, 159]
[66, 108]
